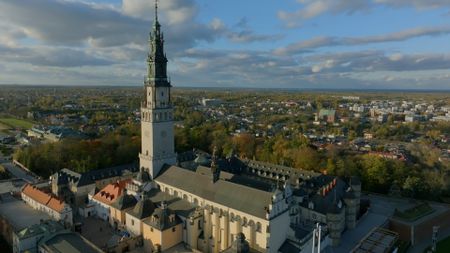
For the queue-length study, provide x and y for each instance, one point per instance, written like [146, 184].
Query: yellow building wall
[171, 238]
[116, 215]
[167, 238]
[212, 226]
[151, 238]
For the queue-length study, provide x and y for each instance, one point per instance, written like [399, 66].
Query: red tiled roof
[56, 204]
[44, 198]
[36, 194]
[111, 192]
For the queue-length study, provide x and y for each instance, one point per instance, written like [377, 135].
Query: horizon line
[232, 87]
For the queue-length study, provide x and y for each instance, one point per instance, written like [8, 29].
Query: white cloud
[313, 8]
[172, 12]
[318, 42]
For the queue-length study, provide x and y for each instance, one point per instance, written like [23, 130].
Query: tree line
[116, 148]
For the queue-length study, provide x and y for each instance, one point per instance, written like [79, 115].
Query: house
[74, 187]
[103, 199]
[48, 203]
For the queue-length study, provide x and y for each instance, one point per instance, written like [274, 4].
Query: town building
[48, 203]
[27, 239]
[74, 187]
[326, 115]
[15, 215]
[54, 133]
[102, 200]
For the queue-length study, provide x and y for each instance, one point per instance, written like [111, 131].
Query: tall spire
[156, 11]
[157, 61]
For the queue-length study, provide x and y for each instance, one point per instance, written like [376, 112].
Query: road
[16, 171]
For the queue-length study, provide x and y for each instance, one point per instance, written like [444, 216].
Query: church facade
[211, 208]
[216, 211]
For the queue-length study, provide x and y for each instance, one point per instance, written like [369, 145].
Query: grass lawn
[15, 123]
[3, 127]
[444, 245]
[415, 212]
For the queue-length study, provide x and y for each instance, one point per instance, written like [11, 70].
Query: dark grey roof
[163, 218]
[68, 242]
[235, 196]
[143, 176]
[143, 209]
[231, 164]
[324, 203]
[288, 247]
[208, 172]
[43, 228]
[65, 175]
[124, 201]
[186, 156]
[293, 173]
[300, 231]
[179, 206]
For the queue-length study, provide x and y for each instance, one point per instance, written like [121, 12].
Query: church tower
[156, 109]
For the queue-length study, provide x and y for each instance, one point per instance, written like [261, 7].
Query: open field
[15, 123]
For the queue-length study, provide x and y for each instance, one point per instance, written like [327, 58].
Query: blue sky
[339, 44]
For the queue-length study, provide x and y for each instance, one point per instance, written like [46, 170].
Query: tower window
[162, 94]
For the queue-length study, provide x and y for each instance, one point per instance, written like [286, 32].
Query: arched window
[258, 227]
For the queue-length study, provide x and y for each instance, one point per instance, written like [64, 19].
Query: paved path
[19, 172]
